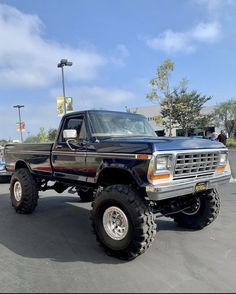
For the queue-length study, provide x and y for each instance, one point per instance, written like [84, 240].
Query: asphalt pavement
[54, 250]
[232, 160]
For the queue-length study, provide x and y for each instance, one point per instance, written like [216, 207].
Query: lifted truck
[115, 160]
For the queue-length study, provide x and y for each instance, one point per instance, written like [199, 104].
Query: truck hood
[165, 143]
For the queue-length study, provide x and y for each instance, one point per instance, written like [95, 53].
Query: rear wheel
[202, 213]
[23, 191]
[123, 222]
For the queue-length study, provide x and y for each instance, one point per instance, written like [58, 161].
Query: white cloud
[207, 32]
[170, 41]
[29, 60]
[97, 97]
[120, 54]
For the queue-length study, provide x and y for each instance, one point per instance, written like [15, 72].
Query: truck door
[70, 164]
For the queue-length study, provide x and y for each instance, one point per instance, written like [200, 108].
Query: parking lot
[54, 250]
[232, 158]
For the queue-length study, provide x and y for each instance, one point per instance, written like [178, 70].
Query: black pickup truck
[131, 176]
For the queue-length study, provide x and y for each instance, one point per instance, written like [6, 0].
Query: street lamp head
[18, 106]
[64, 62]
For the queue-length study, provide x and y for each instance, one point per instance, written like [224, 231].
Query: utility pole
[64, 62]
[19, 107]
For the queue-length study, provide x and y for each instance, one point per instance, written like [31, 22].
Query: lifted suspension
[170, 207]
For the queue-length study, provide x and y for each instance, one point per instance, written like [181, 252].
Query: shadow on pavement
[170, 225]
[58, 230]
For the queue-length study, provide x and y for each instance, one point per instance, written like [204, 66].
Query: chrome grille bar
[196, 164]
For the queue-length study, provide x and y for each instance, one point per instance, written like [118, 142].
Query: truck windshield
[114, 124]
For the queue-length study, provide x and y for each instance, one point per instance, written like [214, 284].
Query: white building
[150, 112]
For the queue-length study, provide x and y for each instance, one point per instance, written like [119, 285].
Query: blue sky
[115, 47]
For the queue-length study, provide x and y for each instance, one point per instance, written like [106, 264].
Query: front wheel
[23, 191]
[202, 213]
[123, 222]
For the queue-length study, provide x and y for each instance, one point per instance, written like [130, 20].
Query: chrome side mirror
[69, 134]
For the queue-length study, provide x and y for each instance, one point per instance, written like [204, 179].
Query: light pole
[19, 107]
[61, 64]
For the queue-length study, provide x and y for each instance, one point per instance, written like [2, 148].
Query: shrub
[231, 142]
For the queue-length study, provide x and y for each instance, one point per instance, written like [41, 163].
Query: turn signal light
[162, 176]
[220, 169]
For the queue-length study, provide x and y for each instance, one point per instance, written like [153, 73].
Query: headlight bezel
[163, 173]
[162, 163]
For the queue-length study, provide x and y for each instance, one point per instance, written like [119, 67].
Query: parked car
[5, 176]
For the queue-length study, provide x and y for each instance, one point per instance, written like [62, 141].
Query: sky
[115, 47]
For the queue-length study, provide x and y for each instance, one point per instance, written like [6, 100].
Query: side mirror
[69, 134]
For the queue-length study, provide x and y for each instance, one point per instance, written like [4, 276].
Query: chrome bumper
[178, 188]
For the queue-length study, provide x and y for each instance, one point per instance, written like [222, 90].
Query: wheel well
[21, 164]
[112, 176]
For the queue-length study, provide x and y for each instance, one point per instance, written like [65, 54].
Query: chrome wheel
[17, 191]
[115, 223]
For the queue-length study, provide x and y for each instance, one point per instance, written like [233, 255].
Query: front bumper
[178, 188]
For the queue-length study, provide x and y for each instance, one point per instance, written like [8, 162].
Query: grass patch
[231, 142]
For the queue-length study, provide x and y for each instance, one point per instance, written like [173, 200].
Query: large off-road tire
[203, 213]
[123, 222]
[23, 191]
[86, 195]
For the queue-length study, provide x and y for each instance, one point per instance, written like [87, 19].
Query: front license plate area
[200, 187]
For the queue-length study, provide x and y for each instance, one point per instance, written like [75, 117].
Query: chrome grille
[196, 164]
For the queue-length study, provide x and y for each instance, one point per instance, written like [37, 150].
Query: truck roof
[99, 111]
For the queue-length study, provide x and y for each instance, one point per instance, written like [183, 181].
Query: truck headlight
[163, 163]
[160, 169]
[223, 158]
[222, 163]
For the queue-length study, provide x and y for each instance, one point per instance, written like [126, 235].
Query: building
[152, 111]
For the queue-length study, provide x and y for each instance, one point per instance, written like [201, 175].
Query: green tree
[225, 116]
[32, 139]
[3, 142]
[43, 137]
[52, 134]
[187, 108]
[162, 91]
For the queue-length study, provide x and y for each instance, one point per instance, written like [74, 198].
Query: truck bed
[36, 156]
